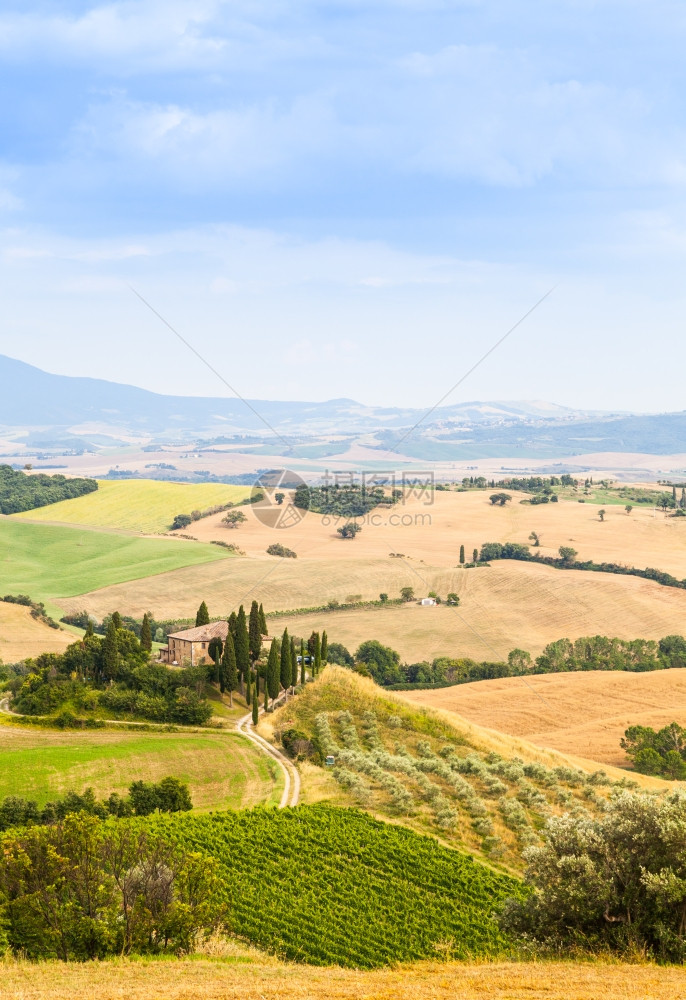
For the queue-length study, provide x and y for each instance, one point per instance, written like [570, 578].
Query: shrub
[277, 549]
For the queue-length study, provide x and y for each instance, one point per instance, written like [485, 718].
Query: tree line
[597, 652]
[19, 491]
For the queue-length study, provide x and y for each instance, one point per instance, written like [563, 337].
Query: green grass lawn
[50, 561]
[223, 770]
[144, 505]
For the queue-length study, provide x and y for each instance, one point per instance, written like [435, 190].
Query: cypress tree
[317, 655]
[294, 664]
[215, 648]
[325, 647]
[272, 686]
[254, 632]
[232, 624]
[89, 629]
[255, 711]
[461, 553]
[302, 661]
[682, 502]
[116, 618]
[203, 616]
[248, 687]
[285, 666]
[266, 697]
[228, 678]
[475, 555]
[146, 634]
[263, 621]
[109, 651]
[242, 644]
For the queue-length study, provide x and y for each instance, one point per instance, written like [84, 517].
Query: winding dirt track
[291, 788]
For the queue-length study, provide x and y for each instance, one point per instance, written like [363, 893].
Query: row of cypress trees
[236, 658]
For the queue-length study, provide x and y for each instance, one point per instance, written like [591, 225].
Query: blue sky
[352, 199]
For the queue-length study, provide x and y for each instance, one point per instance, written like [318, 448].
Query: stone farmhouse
[192, 644]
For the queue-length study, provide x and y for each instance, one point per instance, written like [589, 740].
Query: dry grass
[241, 978]
[510, 604]
[576, 713]
[22, 636]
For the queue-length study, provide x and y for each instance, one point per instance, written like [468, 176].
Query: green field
[50, 561]
[333, 886]
[223, 770]
[137, 504]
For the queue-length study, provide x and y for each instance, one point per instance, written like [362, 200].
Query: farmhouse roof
[203, 633]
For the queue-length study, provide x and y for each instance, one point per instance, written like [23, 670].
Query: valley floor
[264, 979]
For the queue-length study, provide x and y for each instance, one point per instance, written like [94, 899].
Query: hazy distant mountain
[36, 399]
[57, 411]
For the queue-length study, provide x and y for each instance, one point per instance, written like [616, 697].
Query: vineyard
[414, 766]
[332, 886]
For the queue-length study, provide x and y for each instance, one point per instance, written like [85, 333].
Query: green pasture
[51, 561]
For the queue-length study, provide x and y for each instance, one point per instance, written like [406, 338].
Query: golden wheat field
[249, 976]
[22, 636]
[507, 605]
[583, 713]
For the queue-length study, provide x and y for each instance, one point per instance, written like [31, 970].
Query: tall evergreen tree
[475, 556]
[682, 502]
[202, 616]
[214, 649]
[146, 634]
[242, 644]
[90, 632]
[254, 632]
[109, 652]
[273, 679]
[461, 553]
[228, 678]
[674, 495]
[317, 655]
[302, 661]
[232, 624]
[263, 621]
[266, 697]
[325, 647]
[248, 690]
[285, 671]
[255, 711]
[294, 664]
[116, 618]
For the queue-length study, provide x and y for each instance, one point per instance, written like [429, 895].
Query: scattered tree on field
[475, 556]
[349, 530]
[453, 599]
[462, 554]
[202, 616]
[601, 515]
[146, 634]
[534, 538]
[383, 598]
[279, 497]
[407, 594]
[499, 498]
[628, 508]
[234, 518]
[567, 554]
